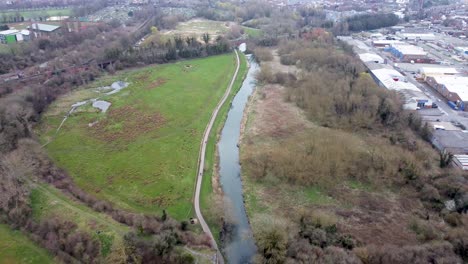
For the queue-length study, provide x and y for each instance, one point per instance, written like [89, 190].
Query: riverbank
[211, 196]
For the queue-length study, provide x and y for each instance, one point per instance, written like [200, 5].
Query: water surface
[242, 247]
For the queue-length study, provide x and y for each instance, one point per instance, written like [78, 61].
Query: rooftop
[386, 42]
[409, 49]
[365, 57]
[454, 139]
[461, 161]
[393, 80]
[9, 32]
[455, 84]
[438, 70]
[44, 27]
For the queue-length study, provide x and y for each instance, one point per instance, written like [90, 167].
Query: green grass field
[28, 14]
[4, 48]
[15, 247]
[252, 32]
[195, 27]
[142, 154]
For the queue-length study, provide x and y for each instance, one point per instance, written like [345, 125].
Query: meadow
[142, 154]
[34, 14]
[15, 247]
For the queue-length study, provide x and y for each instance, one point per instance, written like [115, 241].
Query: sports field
[142, 153]
[28, 14]
[15, 247]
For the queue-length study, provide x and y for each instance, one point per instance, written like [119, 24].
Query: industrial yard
[429, 68]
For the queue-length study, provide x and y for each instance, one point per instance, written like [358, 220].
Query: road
[201, 162]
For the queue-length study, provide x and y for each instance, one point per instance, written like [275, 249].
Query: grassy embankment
[208, 196]
[15, 247]
[48, 202]
[141, 154]
[252, 32]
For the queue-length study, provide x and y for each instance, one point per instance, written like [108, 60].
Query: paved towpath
[201, 161]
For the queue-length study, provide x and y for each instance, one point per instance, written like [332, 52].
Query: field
[29, 14]
[194, 27]
[252, 32]
[142, 154]
[15, 247]
[199, 26]
[4, 48]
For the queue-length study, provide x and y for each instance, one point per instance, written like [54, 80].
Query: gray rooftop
[44, 27]
[451, 139]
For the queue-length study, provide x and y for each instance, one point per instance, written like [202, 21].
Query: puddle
[116, 87]
[102, 105]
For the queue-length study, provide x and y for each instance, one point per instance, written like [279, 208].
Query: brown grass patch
[377, 218]
[273, 116]
[156, 84]
[126, 123]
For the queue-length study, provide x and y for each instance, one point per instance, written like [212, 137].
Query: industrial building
[43, 29]
[437, 71]
[371, 57]
[417, 36]
[453, 141]
[13, 36]
[393, 80]
[408, 53]
[454, 88]
[382, 43]
[8, 36]
[461, 161]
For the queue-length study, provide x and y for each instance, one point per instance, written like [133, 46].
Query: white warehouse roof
[44, 27]
[409, 49]
[438, 70]
[426, 36]
[386, 42]
[9, 32]
[366, 57]
[393, 80]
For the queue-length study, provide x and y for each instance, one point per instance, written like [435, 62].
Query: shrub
[263, 54]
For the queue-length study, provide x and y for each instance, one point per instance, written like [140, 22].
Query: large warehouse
[416, 36]
[408, 53]
[437, 71]
[393, 80]
[371, 57]
[454, 88]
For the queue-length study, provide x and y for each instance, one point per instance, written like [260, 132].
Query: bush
[263, 54]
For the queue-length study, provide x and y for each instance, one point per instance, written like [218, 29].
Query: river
[242, 247]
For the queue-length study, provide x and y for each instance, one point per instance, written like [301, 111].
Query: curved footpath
[201, 162]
